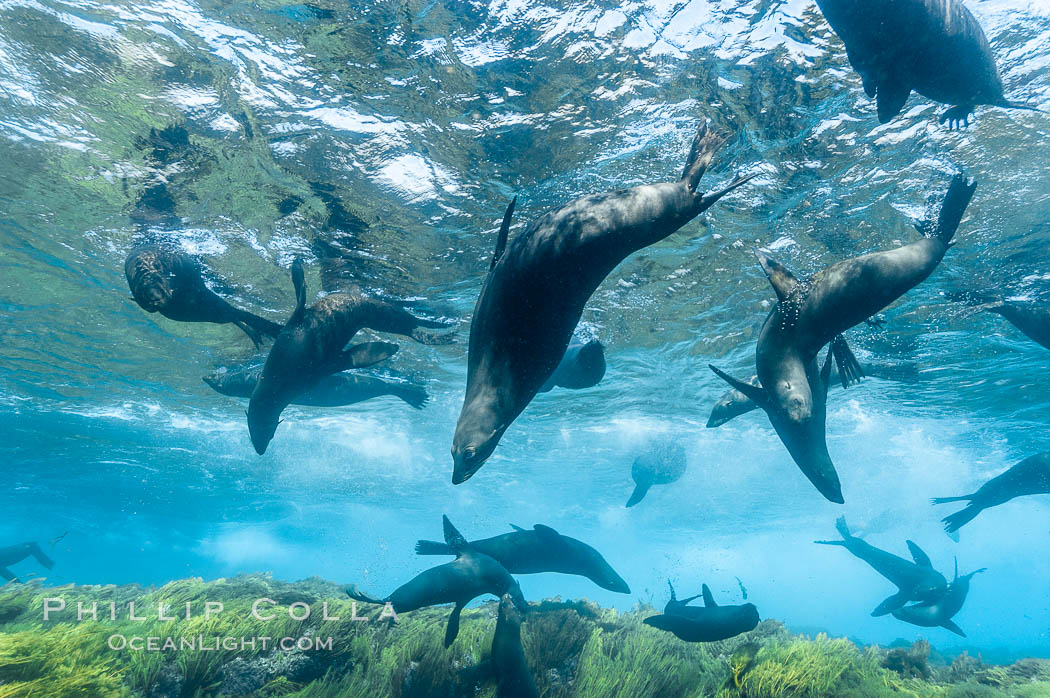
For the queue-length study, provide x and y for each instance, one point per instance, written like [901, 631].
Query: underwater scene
[525, 348]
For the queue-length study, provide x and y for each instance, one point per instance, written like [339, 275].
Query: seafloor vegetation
[574, 649]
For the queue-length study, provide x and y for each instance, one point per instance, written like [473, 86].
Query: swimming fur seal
[1032, 319]
[940, 613]
[663, 464]
[708, 623]
[813, 312]
[537, 287]
[583, 366]
[14, 554]
[470, 575]
[172, 284]
[335, 390]
[935, 47]
[1030, 476]
[540, 550]
[734, 403]
[916, 581]
[311, 346]
[506, 662]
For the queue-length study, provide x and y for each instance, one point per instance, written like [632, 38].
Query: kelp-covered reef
[574, 649]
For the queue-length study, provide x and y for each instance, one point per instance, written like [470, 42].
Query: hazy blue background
[382, 141]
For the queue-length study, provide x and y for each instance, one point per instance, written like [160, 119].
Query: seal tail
[432, 547]
[955, 521]
[850, 370]
[415, 396]
[955, 202]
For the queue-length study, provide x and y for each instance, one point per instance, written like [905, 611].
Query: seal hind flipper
[957, 198]
[504, 232]
[299, 284]
[253, 335]
[850, 370]
[705, 144]
[709, 599]
[953, 522]
[950, 625]
[357, 595]
[8, 575]
[362, 355]
[946, 500]
[41, 557]
[917, 554]
[452, 629]
[890, 98]
[432, 547]
[780, 277]
[755, 393]
[454, 538]
[890, 604]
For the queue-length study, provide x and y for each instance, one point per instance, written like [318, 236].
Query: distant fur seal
[940, 613]
[311, 346]
[335, 390]
[538, 285]
[935, 47]
[540, 550]
[915, 581]
[14, 554]
[811, 313]
[470, 575]
[171, 283]
[583, 366]
[1032, 319]
[663, 464]
[708, 623]
[1030, 476]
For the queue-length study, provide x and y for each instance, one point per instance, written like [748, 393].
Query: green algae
[575, 649]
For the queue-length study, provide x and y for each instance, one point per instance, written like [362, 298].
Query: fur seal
[916, 581]
[540, 550]
[1030, 476]
[663, 464]
[940, 613]
[172, 284]
[813, 312]
[311, 346]
[335, 390]
[583, 366]
[470, 575]
[935, 47]
[707, 623]
[14, 554]
[537, 287]
[1032, 319]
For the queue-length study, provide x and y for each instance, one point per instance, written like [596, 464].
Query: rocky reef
[255, 636]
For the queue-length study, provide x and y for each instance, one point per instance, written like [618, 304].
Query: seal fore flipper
[958, 197]
[709, 599]
[8, 575]
[917, 554]
[890, 604]
[671, 586]
[950, 625]
[454, 538]
[640, 490]
[504, 232]
[41, 557]
[780, 277]
[299, 283]
[825, 373]
[850, 370]
[452, 630]
[755, 393]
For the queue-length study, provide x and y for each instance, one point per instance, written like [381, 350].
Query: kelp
[575, 649]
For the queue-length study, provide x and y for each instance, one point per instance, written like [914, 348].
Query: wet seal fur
[583, 366]
[13, 554]
[915, 581]
[1030, 476]
[537, 287]
[335, 390]
[172, 284]
[459, 582]
[935, 47]
[813, 312]
[663, 464]
[311, 346]
[707, 623]
[940, 613]
[540, 550]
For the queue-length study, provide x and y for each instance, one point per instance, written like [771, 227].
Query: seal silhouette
[941, 612]
[14, 554]
[1030, 476]
[311, 346]
[540, 550]
[470, 575]
[662, 464]
[915, 581]
[537, 287]
[171, 283]
[583, 366]
[1031, 318]
[335, 390]
[813, 312]
[934, 47]
[707, 623]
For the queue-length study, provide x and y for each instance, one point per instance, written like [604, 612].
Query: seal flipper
[41, 557]
[850, 370]
[950, 625]
[755, 393]
[454, 538]
[357, 595]
[953, 522]
[671, 587]
[247, 329]
[8, 575]
[452, 629]
[640, 490]
[504, 232]
[705, 144]
[546, 532]
[825, 373]
[432, 547]
[519, 529]
[955, 115]
[890, 98]
[890, 604]
[917, 554]
[960, 191]
[299, 283]
[709, 600]
[780, 277]
[361, 355]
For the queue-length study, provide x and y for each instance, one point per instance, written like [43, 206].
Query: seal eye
[470, 453]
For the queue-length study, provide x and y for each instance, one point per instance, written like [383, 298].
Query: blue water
[420, 120]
